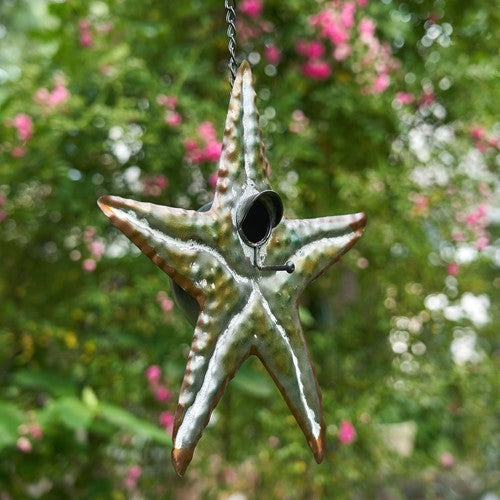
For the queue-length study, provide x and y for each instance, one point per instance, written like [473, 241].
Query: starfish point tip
[181, 457]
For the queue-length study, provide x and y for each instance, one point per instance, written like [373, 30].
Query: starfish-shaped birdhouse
[227, 259]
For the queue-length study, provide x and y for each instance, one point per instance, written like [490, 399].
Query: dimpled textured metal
[243, 311]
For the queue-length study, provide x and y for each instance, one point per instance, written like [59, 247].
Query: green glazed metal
[242, 310]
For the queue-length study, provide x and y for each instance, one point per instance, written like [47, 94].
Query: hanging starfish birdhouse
[244, 267]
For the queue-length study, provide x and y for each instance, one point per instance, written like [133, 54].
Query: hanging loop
[231, 33]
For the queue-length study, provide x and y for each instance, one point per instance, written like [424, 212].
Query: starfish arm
[312, 245]
[174, 222]
[283, 351]
[243, 164]
[174, 239]
[217, 351]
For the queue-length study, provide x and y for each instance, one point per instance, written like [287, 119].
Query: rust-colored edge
[181, 457]
[105, 203]
[317, 446]
[358, 227]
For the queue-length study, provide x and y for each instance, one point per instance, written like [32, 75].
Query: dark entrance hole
[257, 224]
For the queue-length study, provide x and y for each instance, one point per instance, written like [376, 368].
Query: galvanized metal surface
[244, 311]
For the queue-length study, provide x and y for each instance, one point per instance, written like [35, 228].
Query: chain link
[231, 33]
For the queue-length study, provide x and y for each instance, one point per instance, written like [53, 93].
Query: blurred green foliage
[402, 331]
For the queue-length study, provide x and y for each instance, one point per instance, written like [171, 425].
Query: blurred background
[386, 107]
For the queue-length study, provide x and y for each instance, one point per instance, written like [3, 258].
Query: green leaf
[10, 419]
[72, 413]
[127, 421]
[56, 384]
[89, 398]
[253, 383]
[305, 316]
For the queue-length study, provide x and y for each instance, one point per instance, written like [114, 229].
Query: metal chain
[231, 33]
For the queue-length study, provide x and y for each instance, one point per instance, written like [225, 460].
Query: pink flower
[130, 484]
[481, 146]
[381, 83]
[347, 14]
[482, 210]
[162, 181]
[169, 101]
[154, 185]
[494, 142]
[347, 432]
[59, 95]
[330, 26]
[85, 34]
[86, 39]
[173, 118]
[447, 460]
[452, 269]
[212, 151]
[317, 69]
[313, 49]
[3, 215]
[477, 133]
[166, 420]
[135, 471]
[458, 236]
[404, 97]
[97, 249]
[299, 116]
[420, 202]
[245, 31]
[482, 242]
[428, 98]
[24, 126]
[190, 145]
[24, 444]
[266, 26]
[133, 474]
[167, 305]
[207, 132]
[366, 28]
[273, 54]
[477, 217]
[472, 219]
[251, 8]
[299, 122]
[42, 96]
[212, 179]
[89, 233]
[336, 33]
[341, 52]
[18, 152]
[153, 373]
[193, 155]
[84, 24]
[35, 430]
[89, 265]
[362, 3]
[162, 394]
